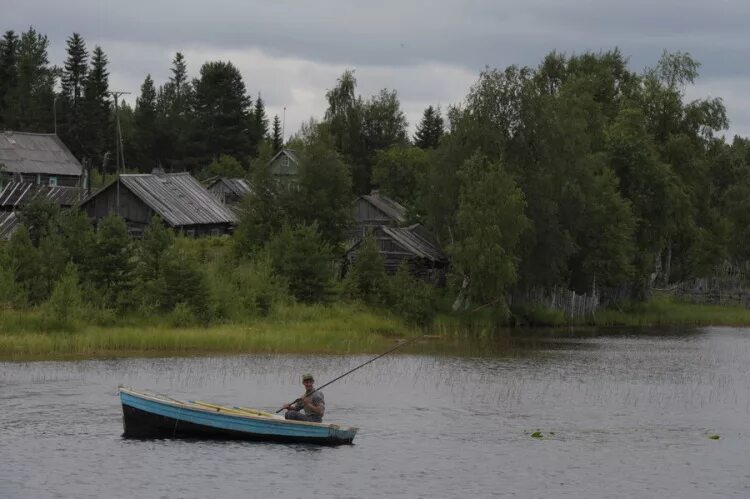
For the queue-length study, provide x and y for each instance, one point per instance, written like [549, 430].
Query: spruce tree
[277, 140]
[72, 82]
[221, 106]
[430, 129]
[98, 137]
[30, 106]
[145, 125]
[174, 111]
[8, 72]
[261, 120]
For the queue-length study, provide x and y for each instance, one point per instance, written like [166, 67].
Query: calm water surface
[631, 416]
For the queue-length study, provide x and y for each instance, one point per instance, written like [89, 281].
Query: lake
[621, 414]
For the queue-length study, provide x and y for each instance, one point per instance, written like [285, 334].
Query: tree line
[579, 172]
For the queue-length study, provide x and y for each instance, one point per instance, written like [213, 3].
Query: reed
[336, 329]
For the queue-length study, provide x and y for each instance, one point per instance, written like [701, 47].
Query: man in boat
[313, 404]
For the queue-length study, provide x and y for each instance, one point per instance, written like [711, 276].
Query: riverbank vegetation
[580, 173]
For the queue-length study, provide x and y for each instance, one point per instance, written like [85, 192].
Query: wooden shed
[373, 210]
[38, 158]
[228, 190]
[178, 198]
[412, 245]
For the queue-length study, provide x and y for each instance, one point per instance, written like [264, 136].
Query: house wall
[133, 210]
[44, 179]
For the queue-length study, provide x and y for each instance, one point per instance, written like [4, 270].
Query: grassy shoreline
[338, 329]
[303, 329]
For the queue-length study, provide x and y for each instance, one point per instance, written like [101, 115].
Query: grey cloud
[426, 50]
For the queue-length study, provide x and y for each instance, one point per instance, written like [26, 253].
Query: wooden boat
[149, 415]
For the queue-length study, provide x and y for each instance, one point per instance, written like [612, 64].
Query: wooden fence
[574, 305]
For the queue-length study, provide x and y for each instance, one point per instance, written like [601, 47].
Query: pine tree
[430, 129]
[72, 82]
[277, 140]
[8, 72]
[98, 137]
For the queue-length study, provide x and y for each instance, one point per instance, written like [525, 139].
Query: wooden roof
[178, 198]
[238, 186]
[414, 240]
[36, 153]
[8, 224]
[392, 209]
[17, 194]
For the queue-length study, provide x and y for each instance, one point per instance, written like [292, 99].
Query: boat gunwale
[163, 399]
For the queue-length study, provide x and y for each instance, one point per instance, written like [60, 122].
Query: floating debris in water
[714, 437]
[537, 434]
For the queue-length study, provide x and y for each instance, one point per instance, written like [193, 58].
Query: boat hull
[146, 416]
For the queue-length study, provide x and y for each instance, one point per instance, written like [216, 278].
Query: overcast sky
[430, 52]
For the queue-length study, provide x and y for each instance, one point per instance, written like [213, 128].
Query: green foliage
[27, 265]
[111, 271]
[430, 129]
[490, 221]
[324, 191]
[410, 298]
[303, 257]
[262, 211]
[366, 280]
[277, 140]
[221, 113]
[66, 301]
[185, 283]
[96, 109]
[399, 170]
[224, 166]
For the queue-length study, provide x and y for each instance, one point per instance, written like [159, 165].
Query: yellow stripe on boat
[238, 411]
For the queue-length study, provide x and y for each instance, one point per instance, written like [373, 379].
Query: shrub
[305, 260]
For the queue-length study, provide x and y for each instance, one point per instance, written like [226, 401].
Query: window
[53, 181]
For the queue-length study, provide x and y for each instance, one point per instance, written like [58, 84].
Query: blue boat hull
[146, 416]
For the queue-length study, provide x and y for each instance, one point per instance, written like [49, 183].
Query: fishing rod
[358, 367]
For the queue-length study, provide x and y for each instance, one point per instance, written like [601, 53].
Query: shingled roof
[178, 198]
[17, 194]
[36, 153]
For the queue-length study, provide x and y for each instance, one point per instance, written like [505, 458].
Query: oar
[352, 370]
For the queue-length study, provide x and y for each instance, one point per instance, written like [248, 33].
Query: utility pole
[283, 127]
[54, 112]
[118, 143]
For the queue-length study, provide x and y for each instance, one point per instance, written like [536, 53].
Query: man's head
[307, 380]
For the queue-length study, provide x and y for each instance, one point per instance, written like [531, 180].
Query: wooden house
[38, 158]
[413, 246]
[228, 190]
[285, 167]
[178, 198]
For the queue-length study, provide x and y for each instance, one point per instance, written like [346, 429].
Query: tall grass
[335, 329]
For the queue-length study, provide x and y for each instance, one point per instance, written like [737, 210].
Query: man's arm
[316, 408]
